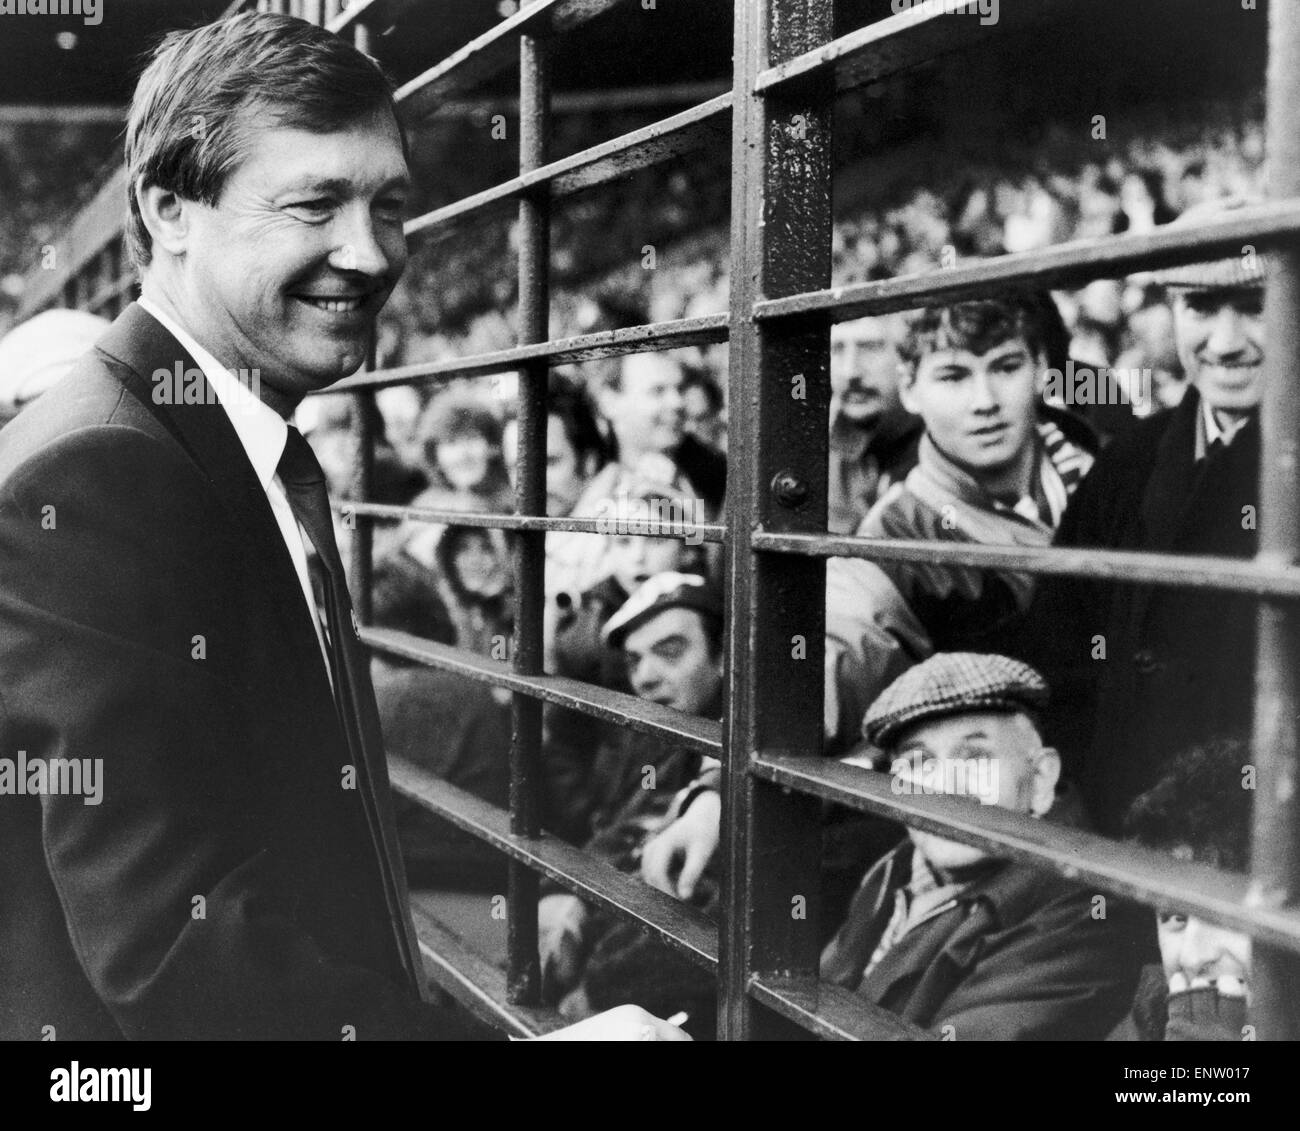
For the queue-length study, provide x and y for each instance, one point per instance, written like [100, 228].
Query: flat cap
[950, 683]
[667, 590]
[1249, 269]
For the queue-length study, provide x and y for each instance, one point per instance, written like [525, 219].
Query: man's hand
[687, 844]
[623, 1023]
[560, 920]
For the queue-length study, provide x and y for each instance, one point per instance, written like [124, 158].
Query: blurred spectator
[573, 624]
[461, 438]
[705, 408]
[1199, 810]
[445, 723]
[575, 448]
[400, 407]
[873, 437]
[1142, 198]
[670, 635]
[641, 399]
[475, 584]
[37, 353]
[1100, 212]
[1152, 346]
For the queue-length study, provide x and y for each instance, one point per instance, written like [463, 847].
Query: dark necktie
[304, 485]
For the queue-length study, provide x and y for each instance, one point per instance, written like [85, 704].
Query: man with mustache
[1141, 672]
[873, 437]
[241, 877]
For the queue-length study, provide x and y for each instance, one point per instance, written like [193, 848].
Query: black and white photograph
[649, 521]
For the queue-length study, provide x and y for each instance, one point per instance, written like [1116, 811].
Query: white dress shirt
[1211, 430]
[262, 432]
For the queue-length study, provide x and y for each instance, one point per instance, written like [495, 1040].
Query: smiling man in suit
[239, 876]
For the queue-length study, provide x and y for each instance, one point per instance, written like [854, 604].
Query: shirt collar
[1210, 430]
[261, 430]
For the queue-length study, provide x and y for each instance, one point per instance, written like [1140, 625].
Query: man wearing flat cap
[955, 940]
[669, 636]
[1140, 672]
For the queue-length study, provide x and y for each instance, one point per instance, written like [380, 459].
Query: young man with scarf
[995, 466]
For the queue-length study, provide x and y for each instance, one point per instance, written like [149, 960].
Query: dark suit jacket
[1179, 664]
[1019, 957]
[229, 885]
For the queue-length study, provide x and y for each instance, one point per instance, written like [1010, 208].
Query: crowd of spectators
[926, 661]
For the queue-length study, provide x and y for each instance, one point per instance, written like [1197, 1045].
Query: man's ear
[166, 215]
[1047, 772]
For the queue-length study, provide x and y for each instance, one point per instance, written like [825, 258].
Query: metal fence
[788, 68]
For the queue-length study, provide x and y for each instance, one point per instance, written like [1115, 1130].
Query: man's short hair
[984, 324]
[188, 127]
[1200, 802]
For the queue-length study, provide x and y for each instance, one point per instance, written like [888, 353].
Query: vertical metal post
[1275, 863]
[311, 12]
[365, 418]
[523, 977]
[780, 395]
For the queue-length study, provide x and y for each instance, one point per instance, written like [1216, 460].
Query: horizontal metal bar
[833, 1012]
[475, 982]
[1230, 575]
[678, 924]
[705, 330]
[1066, 265]
[686, 531]
[494, 50]
[1129, 870]
[694, 733]
[661, 141]
[891, 45]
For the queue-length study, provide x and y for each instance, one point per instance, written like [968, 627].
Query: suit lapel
[1172, 488]
[144, 346]
[1171, 492]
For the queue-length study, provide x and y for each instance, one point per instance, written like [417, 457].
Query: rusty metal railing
[789, 65]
